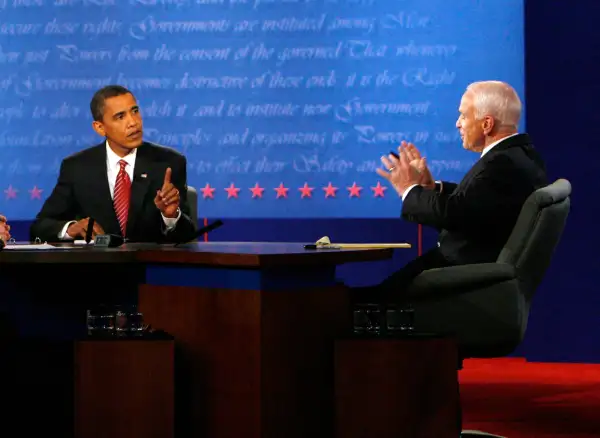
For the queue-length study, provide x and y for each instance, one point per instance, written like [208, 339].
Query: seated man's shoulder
[84, 154]
[164, 152]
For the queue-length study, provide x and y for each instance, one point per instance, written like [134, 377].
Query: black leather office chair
[192, 199]
[486, 306]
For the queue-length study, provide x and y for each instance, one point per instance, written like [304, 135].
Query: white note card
[37, 247]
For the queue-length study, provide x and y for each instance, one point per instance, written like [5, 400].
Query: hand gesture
[4, 229]
[79, 229]
[167, 198]
[419, 163]
[399, 172]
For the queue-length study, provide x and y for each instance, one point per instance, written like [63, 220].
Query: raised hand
[167, 198]
[419, 163]
[399, 172]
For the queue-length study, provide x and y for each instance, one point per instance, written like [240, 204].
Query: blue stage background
[562, 66]
[256, 93]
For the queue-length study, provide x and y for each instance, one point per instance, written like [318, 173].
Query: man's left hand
[167, 198]
[399, 172]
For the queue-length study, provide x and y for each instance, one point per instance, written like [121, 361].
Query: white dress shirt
[485, 151]
[112, 170]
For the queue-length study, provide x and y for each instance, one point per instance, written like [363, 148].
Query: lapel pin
[144, 175]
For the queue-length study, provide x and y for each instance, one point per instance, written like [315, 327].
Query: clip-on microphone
[203, 230]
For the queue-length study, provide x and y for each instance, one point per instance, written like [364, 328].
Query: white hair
[496, 99]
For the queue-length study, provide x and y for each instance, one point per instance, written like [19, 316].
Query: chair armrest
[454, 280]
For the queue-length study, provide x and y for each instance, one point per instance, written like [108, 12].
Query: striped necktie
[122, 196]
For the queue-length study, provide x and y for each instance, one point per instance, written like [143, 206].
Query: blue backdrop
[258, 93]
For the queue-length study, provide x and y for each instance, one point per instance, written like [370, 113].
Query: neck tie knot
[123, 164]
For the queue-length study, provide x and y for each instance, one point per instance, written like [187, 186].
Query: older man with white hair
[476, 216]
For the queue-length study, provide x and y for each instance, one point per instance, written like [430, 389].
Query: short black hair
[97, 103]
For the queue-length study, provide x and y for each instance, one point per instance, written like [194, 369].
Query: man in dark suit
[130, 187]
[476, 216]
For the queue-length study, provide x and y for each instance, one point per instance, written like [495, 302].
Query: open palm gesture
[419, 163]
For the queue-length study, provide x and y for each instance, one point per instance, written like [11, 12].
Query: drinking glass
[128, 321]
[100, 321]
[367, 319]
[400, 319]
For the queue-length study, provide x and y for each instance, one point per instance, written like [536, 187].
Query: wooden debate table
[254, 323]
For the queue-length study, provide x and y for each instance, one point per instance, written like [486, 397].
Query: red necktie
[122, 196]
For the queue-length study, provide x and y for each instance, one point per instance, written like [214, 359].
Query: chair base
[477, 433]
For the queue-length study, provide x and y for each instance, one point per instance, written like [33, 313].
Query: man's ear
[99, 128]
[488, 124]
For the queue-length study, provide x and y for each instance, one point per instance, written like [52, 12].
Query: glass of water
[100, 321]
[400, 319]
[367, 319]
[128, 321]
[136, 321]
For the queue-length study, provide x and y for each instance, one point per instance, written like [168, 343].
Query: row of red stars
[233, 191]
[34, 193]
[282, 191]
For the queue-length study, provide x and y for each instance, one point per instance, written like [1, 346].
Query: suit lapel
[139, 185]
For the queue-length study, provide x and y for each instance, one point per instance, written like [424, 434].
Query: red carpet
[519, 399]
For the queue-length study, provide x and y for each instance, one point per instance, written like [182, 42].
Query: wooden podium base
[394, 388]
[124, 388]
[88, 389]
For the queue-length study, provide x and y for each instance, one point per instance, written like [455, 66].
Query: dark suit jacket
[82, 191]
[477, 216]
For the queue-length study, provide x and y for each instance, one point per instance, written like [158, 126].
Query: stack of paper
[324, 242]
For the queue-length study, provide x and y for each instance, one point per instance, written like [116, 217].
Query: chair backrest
[192, 199]
[536, 234]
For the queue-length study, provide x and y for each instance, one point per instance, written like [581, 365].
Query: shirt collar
[112, 159]
[489, 147]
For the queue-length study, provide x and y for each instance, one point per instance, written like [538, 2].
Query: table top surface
[242, 254]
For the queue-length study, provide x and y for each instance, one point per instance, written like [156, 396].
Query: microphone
[90, 228]
[202, 231]
[115, 240]
[108, 240]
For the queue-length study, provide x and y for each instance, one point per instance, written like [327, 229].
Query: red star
[281, 191]
[306, 191]
[378, 190]
[257, 191]
[330, 191]
[232, 191]
[36, 193]
[354, 190]
[11, 193]
[208, 192]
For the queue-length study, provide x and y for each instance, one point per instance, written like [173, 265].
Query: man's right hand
[419, 163]
[79, 229]
[4, 229]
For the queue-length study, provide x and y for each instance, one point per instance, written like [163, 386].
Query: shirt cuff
[171, 222]
[408, 190]
[63, 233]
